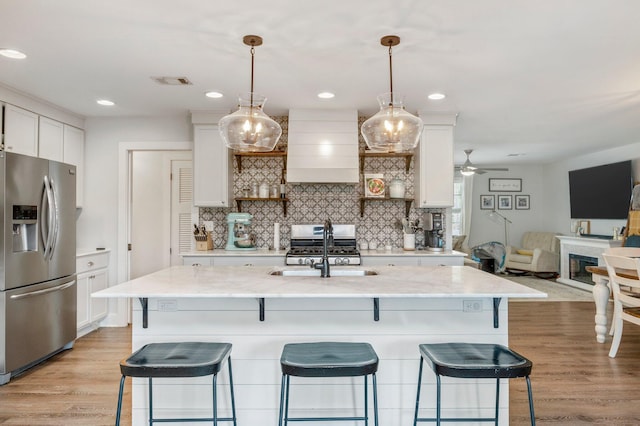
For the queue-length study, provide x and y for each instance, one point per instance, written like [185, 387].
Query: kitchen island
[395, 309]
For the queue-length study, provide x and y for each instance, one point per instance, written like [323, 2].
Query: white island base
[419, 305]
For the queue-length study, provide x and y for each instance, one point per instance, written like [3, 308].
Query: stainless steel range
[306, 245]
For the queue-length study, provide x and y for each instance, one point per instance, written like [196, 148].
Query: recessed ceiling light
[326, 95]
[12, 53]
[105, 102]
[213, 94]
[436, 96]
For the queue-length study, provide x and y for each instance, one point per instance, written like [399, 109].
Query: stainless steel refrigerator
[37, 261]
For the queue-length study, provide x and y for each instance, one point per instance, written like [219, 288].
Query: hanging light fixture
[392, 129]
[249, 129]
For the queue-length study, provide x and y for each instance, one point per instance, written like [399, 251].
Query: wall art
[522, 202]
[487, 202]
[504, 202]
[505, 185]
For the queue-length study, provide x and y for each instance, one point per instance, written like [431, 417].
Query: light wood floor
[574, 381]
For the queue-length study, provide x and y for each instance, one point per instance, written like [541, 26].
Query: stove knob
[345, 261]
[300, 261]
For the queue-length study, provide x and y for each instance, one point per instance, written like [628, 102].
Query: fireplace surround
[576, 253]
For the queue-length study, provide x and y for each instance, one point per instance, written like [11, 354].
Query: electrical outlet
[168, 305]
[472, 305]
[208, 225]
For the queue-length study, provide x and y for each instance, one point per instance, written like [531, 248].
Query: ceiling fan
[468, 169]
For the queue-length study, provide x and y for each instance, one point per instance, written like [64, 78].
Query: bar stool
[328, 359]
[472, 360]
[183, 359]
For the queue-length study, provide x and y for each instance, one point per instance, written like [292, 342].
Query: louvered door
[181, 204]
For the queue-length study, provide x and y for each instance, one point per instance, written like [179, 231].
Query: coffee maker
[433, 231]
[239, 236]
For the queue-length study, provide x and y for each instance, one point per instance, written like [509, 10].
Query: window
[457, 211]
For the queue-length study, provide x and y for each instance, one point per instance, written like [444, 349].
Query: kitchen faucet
[327, 239]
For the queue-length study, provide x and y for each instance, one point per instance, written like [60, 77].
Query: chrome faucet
[327, 240]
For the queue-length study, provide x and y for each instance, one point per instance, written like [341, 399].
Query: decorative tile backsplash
[313, 203]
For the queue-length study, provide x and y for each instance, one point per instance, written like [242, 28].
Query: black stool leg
[531, 413]
[281, 400]
[438, 400]
[415, 417]
[497, 400]
[215, 400]
[286, 402]
[120, 401]
[375, 400]
[366, 403]
[233, 398]
[150, 401]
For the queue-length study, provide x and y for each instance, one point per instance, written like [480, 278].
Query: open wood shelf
[368, 154]
[284, 202]
[407, 203]
[239, 156]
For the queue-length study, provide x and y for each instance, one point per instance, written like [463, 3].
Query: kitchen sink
[316, 272]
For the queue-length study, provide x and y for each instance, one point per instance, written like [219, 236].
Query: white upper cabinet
[213, 178]
[434, 163]
[20, 131]
[50, 139]
[73, 153]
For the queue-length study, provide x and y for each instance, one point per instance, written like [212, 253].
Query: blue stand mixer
[239, 236]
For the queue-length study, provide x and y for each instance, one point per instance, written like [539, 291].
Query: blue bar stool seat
[472, 360]
[182, 359]
[328, 359]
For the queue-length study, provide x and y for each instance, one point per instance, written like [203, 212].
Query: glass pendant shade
[249, 129]
[392, 129]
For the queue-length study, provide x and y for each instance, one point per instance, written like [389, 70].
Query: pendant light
[392, 129]
[249, 129]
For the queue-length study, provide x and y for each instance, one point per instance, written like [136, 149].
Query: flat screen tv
[601, 192]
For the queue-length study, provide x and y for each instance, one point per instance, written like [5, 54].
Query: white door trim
[120, 315]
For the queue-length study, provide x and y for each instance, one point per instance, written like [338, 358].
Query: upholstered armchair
[539, 253]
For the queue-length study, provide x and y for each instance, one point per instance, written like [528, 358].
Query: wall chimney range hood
[323, 146]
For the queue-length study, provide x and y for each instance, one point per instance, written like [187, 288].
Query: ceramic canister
[396, 188]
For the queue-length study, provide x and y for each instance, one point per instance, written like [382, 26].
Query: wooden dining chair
[626, 307]
[627, 252]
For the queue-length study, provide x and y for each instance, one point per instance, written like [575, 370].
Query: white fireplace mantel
[584, 246]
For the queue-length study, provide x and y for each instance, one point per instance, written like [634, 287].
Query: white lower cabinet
[93, 276]
[240, 260]
[414, 260]
[390, 261]
[197, 260]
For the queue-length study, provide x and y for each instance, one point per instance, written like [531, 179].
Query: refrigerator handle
[45, 291]
[55, 226]
[44, 210]
[50, 217]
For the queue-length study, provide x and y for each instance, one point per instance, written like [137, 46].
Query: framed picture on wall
[487, 202]
[504, 202]
[505, 185]
[522, 202]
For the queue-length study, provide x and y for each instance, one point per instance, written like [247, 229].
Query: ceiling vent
[172, 81]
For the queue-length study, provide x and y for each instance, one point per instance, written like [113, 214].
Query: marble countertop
[275, 253]
[256, 282]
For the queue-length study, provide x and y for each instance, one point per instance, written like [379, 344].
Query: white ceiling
[548, 79]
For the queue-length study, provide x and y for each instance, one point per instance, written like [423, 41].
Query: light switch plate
[208, 224]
